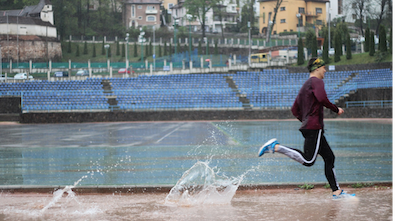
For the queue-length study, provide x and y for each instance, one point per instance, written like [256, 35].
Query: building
[216, 18]
[141, 13]
[293, 15]
[29, 34]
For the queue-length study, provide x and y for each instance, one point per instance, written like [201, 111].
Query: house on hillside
[218, 18]
[141, 13]
[292, 15]
[29, 34]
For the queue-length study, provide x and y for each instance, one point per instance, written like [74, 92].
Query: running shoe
[343, 195]
[268, 146]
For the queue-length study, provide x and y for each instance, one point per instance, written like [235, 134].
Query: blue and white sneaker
[343, 195]
[268, 146]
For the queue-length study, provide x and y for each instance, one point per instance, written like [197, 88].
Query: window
[284, 30]
[319, 22]
[301, 10]
[283, 20]
[283, 8]
[151, 8]
[140, 17]
[133, 11]
[354, 16]
[263, 17]
[318, 11]
[170, 5]
[139, 7]
[151, 18]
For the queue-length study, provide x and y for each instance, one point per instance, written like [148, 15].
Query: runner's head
[316, 66]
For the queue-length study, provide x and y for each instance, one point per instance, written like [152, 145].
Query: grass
[361, 58]
[307, 186]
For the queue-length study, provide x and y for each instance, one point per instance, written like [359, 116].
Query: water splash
[200, 185]
[59, 193]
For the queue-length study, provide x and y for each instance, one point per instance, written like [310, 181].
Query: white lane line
[162, 138]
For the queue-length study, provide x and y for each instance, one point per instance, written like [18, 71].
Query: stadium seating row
[274, 88]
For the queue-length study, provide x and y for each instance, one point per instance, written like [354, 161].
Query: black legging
[314, 143]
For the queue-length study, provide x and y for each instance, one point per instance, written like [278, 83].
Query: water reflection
[159, 153]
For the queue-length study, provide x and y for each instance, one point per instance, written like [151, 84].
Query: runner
[308, 108]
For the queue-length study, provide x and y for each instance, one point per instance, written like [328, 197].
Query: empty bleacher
[276, 88]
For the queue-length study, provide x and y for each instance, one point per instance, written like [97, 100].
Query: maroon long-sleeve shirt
[309, 104]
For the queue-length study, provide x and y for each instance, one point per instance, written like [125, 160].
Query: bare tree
[271, 27]
[379, 16]
[360, 9]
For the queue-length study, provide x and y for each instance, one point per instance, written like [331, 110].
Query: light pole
[298, 28]
[126, 53]
[329, 27]
[141, 40]
[175, 39]
[189, 16]
[154, 47]
[107, 46]
[248, 25]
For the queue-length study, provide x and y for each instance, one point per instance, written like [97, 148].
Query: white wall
[23, 29]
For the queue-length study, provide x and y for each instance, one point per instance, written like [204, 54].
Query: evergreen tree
[135, 50]
[300, 52]
[85, 49]
[200, 48]
[178, 48]
[170, 49]
[216, 48]
[103, 50]
[314, 47]
[165, 49]
[69, 50]
[325, 51]
[391, 41]
[382, 39]
[146, 54]
[348, 47]
[77, 50]
[367, 43]
[207, 47]
[185, 48]
[109, 51]
[94, 50]
[159, 51]
[123, 50]
[118, 52]
[338, 45]
[372, 44]
[150, 49]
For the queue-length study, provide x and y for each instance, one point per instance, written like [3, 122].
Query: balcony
[151, 11]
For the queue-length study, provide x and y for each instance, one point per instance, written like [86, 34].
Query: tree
[109, 51]
[200, 48]
[325, 51]
[300, 52]
[85, 49]
[103, 49]
[118, 52]
[383, 4]
[135, 50]
[367, 39]
[359, 9]
[165, 49]
[276, 9]
[123, 51]
[391, 41]
[94, 50]
[159, 51]
[372, 44]
[69, 49]
[310, 35]
[216, 47]
[77, 53]
[382, 39]
[338, 46]
[199, 8]
[314, 47]
[348, 47]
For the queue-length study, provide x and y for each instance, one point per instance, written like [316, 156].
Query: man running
[309, 109]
